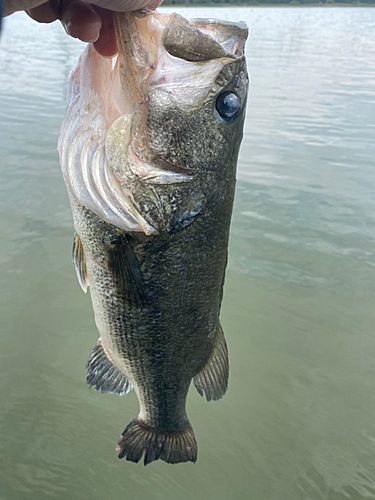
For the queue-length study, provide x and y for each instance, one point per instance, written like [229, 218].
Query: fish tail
[140, 440]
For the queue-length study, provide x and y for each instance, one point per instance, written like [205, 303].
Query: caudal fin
[139, 440]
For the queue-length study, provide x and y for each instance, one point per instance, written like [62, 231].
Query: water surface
[298, 421]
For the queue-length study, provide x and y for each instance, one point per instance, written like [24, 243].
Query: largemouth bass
[148, 150]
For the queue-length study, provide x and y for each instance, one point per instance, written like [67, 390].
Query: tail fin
[139, 440]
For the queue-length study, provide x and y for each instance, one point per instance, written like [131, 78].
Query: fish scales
[148, 151]
[178, 308]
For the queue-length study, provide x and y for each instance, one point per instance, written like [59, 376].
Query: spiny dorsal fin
[79, 261]
[126, 270]
[212, 380]
[103, 374]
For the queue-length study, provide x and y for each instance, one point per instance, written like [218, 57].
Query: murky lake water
[298, 421]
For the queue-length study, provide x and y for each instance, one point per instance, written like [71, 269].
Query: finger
[124, 5]
[106, 44]
[11, 6]
[154, 4]
[81, 21]
[45, 13]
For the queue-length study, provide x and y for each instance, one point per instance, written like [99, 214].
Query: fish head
[187, 83]
[166, 120]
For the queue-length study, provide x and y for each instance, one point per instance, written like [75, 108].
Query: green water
[298, 421]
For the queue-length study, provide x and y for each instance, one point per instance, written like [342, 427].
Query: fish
[148, 151]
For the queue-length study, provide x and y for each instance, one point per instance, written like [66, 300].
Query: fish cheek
[190, 139]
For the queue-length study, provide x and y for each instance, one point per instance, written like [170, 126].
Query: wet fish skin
[157, 292]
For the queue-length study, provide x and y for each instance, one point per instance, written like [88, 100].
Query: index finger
[125, 5]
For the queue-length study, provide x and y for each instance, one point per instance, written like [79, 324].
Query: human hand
[88, 20]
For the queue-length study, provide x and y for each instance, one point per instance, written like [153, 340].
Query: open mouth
[156, 50]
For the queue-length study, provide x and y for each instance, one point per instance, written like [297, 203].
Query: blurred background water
[298, 421]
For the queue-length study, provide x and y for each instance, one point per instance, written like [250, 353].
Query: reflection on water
[298, 420]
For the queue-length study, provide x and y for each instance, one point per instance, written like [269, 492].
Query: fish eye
[228, 105]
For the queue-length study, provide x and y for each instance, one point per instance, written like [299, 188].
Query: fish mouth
[157, 50]
[103, 142]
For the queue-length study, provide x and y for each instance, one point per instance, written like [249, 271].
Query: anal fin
[79, 261]
[212, 380]
[104, 375]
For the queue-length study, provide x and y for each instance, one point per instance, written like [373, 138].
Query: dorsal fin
[212, 380]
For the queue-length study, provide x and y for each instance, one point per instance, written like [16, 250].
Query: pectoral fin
[126, 270]
[104, 375]
[212, 380]
[79, 261]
